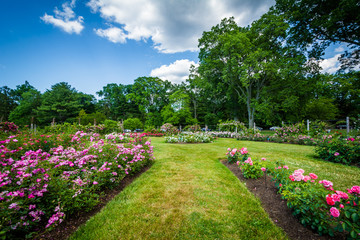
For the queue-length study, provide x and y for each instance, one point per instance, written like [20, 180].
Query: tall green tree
[7, 103]
[115, 104]
[25, 112]
[247, 59]
[318, 23]
[60, 103]
[151, 94]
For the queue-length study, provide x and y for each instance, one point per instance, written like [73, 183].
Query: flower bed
[316, 204]
[190, 138]
[40, 188]
[345, 151]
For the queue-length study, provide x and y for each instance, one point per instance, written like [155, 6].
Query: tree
[7, 103]
[115, 104]
[20, 90]
[319, 23]
[321, 109]
[25, 112]
[151, 95]
[60, 103]
[248, 59]
[177, 112]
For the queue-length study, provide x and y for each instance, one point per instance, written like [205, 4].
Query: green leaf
[347, 214]
[353, 234]
[355, 217]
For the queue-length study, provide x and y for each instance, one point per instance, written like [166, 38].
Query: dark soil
[68, 227]
[276, 207]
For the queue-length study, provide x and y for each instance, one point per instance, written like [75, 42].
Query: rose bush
[40, 189]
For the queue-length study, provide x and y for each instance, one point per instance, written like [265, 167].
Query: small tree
[132, 124]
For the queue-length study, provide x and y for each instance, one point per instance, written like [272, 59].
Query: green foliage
[231, 126]
[321, 23]
[112, 126]
[339, 150]
[234, 155]
[252, 168]
[321, 109]
[132, 124]
[25, 112]
[59, 103]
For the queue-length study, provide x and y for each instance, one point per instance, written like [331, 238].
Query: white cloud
[176, 72]
[174, 26]
[330, 65]
[65, 19]
[340, 49]
[113, 34]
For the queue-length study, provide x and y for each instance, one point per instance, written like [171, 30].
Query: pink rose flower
[336, 154]
[355, 189]
[329, 200]
[342, 195]
[306, 178]
[95, 182]
[313, 175]
[263, 169]
[334, 212]
[286, 167]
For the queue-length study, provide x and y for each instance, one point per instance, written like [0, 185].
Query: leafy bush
[252, 169]
[291, 130]
[169, 129]
[317, 204]
[132, 124]
[8, 127]
[234, 155]
[193, 128]
[231, 126]
[345, 151]
[190, 138]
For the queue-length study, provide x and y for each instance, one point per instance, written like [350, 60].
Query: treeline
[266, 73]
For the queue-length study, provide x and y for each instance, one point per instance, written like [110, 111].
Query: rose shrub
[39, 188]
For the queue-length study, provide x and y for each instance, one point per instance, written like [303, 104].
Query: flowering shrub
[153, 132]
[41, 188]
[235, 155]
[224, 134]
[169, 129]
[7, 127]
[317, 204]
[291, 130]
[190, 138]
[252, 168]
[193, 128]
[346, 151]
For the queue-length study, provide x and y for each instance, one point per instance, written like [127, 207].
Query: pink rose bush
[234, 155]
[40, 188]
[317, 204]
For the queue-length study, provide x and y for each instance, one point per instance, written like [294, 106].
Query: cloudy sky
[90, 43]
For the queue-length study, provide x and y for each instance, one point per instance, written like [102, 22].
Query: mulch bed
[68, 227]
[276, 207]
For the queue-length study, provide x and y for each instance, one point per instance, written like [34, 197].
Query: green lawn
[189, 194]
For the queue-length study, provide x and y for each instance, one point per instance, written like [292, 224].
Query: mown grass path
[189, 194]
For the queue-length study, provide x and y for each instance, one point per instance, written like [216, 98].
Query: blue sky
[90, 43]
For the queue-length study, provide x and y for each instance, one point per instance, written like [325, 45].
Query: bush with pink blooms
[317, 204]
[340, 150]
[39, 189]
[234, 155]
[252, 168]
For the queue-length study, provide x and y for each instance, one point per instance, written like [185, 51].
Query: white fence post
[308, 125]
[347, 125]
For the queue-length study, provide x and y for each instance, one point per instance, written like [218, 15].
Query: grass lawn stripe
[187, 194]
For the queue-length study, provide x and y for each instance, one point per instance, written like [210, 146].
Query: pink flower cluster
[249, 161]
[298, 176]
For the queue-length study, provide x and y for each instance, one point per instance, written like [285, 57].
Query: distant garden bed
[190, 138]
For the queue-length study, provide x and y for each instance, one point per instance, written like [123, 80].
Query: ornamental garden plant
[44, 179]
[189, 137]
[316, 203]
